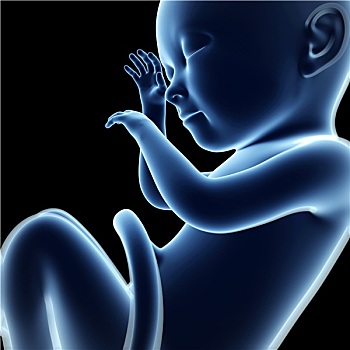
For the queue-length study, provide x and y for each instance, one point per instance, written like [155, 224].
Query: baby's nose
[176, 93]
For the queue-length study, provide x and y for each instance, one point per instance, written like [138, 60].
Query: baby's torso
[237, 290]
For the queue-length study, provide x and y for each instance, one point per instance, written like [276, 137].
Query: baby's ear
[327, 36]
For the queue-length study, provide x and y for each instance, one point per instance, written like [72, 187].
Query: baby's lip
[185, 113]
[184, 116]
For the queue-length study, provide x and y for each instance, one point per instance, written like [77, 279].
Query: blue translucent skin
[262, 230]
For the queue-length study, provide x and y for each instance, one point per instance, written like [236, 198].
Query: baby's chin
[211, 142]
[208, 135]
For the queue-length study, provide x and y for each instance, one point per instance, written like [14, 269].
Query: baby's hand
[132, 120]
[150, 82]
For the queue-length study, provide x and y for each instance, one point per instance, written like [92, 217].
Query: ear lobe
[327, 34]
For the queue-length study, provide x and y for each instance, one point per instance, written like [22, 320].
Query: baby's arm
[152, 87]
[151, 84]
[304, 178]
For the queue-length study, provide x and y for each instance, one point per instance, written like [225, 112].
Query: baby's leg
[59, 288]
[82, 229]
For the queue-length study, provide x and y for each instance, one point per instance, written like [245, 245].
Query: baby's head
[253, 70]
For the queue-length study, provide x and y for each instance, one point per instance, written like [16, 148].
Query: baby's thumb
[160, 81]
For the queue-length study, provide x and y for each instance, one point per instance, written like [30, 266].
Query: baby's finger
[161, 82]
[136, 61]
[114, 119]
[131, 72]
[109, 123]
[115, 114]
[146, 60]
[155, 61]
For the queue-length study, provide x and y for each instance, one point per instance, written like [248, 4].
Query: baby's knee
[35, 238]
[25, 256]
[56, 211]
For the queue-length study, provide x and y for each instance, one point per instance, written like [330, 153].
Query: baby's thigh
[57, 280]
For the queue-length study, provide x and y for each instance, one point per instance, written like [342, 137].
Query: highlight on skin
[261, 232]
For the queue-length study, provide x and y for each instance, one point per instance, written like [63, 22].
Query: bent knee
[39, 235]
[56, 211]
[26, 252]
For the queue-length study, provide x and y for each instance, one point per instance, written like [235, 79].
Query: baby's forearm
[148, 187]
[180, 184]
[177, 181]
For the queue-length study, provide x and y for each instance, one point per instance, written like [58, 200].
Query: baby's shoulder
[333, 151]
[317, 171]
[324, 158]
[325, 162]
[327, 171]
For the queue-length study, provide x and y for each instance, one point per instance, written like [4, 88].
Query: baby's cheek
[229, 85]
[206, 85]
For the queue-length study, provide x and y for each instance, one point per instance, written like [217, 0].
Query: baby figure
[261, 231]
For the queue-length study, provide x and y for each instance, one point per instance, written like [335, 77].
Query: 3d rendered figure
[262, 230]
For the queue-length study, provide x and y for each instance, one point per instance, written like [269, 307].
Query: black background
[62, 77]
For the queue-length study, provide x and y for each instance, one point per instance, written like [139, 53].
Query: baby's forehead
[181, 16]
[231, 12]
[217, 17]
[226, 22]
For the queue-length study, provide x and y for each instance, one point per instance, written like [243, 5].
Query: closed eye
[191, 54]
[195, 42]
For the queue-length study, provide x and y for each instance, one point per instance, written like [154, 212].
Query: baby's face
[231, 66]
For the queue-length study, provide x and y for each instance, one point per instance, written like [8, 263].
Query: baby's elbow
[207, 218]
[156, 201]
[160, 205]
[212, 226]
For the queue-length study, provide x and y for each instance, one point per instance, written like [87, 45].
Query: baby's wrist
[153, 102]
[160, 124]
[156, 113]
